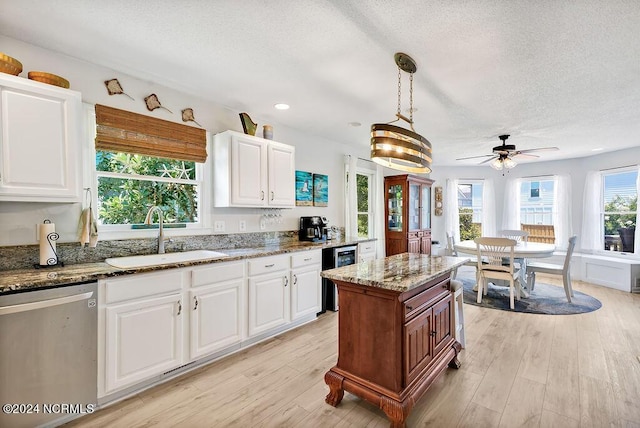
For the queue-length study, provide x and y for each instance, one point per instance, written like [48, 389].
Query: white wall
[313, 154]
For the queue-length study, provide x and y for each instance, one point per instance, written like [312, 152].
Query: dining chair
[554, 269]
[452, 250]
[491, 255]
[517, 235]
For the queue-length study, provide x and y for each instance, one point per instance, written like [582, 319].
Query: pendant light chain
[411, 101]
[399, 88]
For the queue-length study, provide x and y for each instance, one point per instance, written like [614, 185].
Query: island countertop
[401, 272]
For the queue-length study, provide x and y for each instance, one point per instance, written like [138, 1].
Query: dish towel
[87, 228]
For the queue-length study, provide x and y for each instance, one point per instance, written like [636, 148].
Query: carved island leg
[396, 412]
[455, 363]
[334, 381]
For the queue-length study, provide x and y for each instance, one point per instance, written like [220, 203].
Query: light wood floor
[517, 370]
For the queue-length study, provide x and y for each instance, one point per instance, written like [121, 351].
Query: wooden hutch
[408, 214]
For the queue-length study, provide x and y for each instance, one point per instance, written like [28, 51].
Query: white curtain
[451, 213]
[351, 202]
[488, 209]
[511, 211]
[562, 214]
[379, 220]
[636, 245]
[592, 237]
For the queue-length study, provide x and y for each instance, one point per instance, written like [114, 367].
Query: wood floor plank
[562, 392]
[625, 376]
[524, 406]
[478, 416]
[550, 419]
[597, 405]
[495, 387]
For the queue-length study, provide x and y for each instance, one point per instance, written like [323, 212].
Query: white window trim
[371, 175]
[113, 232]
[602, 251]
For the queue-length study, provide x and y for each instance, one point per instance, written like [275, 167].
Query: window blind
[124, 131]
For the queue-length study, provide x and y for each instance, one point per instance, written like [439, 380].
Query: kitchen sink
[163, 259]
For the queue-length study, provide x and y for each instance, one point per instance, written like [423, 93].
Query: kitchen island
[395, 330]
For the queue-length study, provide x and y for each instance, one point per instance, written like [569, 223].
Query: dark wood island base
[392, 342]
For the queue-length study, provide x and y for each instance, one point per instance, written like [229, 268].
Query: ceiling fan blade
[524, 155]
[541, 149]
[489, 160]
[474, 157]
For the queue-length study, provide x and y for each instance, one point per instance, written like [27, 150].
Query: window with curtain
[536, 201]
[141, 161]
[364, 186]
[470, 209]
[619, 209]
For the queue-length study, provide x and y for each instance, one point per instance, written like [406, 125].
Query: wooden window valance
[124, 131]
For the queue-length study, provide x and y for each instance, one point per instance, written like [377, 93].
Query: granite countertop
[401, 272]
[33, 279]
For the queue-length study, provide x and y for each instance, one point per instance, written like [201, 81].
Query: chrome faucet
[147, 220]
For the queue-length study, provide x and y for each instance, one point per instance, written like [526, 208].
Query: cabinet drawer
[217, 272]
[416, 304]
[142, 285]
[267, 264]
[306, 258]
[367, 247]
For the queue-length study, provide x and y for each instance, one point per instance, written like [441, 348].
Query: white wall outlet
[218, 226]
[242, 225]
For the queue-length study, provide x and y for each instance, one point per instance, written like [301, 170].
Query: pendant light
[396, 147]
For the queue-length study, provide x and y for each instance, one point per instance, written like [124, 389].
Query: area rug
[546, 299]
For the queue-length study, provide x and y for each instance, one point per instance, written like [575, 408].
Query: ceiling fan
[502, 156]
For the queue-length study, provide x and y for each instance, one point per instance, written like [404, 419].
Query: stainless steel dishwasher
[48, 360]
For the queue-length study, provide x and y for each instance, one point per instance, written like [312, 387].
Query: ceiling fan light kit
[502, 155]
[396, 147]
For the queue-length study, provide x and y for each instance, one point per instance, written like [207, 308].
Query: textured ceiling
[550, 73]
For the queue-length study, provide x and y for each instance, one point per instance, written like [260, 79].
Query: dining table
[521, 252]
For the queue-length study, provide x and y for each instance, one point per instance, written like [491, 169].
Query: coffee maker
[312, 229]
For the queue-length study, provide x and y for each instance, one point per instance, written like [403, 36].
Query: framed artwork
[320, 190]
[304, 189]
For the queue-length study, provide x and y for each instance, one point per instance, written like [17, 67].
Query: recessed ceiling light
[597, 150]
[354, 124]
[282, 106]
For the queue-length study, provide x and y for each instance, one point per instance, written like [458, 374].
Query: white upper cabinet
[252, 172]
[40, 132]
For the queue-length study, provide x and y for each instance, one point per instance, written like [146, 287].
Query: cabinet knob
[295, 279]
[179, 307]
[262, 195]
[410, 308]
[195, 303]
[271, 265]
[433, 334]
[286, 281]
[273, 195]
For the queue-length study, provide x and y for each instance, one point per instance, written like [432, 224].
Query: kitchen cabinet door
[269, 300]
[248, 171]
[216, 313]
[144, 339]
[40, 129]
[306, 291]
[282, 175]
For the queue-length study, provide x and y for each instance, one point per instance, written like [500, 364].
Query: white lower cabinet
[216, 308]
[140, 319]
[269, 293]
[306, 284]
[144, 338]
